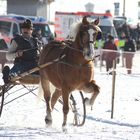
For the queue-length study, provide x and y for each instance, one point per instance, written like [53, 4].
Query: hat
[110, 37]
[27, 24]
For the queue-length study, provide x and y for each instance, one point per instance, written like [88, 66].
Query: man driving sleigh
[23, 51]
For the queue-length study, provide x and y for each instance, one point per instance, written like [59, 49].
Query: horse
[75, 71]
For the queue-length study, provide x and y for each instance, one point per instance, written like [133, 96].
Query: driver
[23, 51]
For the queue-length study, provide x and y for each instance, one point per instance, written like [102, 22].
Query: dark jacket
[129, 46]
[30, 53]
[109, 54]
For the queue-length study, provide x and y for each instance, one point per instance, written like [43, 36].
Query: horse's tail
[41, 92]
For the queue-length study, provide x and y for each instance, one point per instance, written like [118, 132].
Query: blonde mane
[74, 30]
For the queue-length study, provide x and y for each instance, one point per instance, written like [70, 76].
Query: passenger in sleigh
[24, 51]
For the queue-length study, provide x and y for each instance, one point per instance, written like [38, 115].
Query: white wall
[3, 5]
[99, 6]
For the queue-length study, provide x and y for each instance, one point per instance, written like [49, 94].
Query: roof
[86, 14]
[21, 18]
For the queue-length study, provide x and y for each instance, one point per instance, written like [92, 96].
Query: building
[29, 7]
[3, 7]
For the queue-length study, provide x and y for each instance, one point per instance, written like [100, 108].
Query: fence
[123, 61]
[121, 67]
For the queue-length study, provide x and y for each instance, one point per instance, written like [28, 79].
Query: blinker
[99, 36]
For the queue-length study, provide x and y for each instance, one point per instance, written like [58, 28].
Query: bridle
[68, 44]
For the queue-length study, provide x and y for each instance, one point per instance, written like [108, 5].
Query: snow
[23, 119]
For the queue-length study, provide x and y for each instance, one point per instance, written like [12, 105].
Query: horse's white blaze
[89, 54]
[91, 32]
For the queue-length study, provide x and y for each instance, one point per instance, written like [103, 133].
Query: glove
[19, 53]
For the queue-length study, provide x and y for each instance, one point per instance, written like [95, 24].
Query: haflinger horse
[75, 71]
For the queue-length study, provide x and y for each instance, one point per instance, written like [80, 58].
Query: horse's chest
[86, 73]
[76, 74]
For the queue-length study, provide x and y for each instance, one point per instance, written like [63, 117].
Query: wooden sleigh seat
[26, 80]
[29, 79]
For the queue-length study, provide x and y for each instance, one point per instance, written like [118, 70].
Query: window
[5, 28]
[44, 28]
[15, 29]
[106, 30]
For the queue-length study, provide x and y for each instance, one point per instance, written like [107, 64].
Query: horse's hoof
[48, 121]
[64, 129]
[87, 101]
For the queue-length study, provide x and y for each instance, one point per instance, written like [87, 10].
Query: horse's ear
[96, 22]
[85, 21]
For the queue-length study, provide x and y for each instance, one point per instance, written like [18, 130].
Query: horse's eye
[94, 34]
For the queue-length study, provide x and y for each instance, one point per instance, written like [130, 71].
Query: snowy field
[23, 119]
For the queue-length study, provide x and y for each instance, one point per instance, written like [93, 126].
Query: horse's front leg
[48, 118]
[93, 88]
[65, 96]
[47, 97]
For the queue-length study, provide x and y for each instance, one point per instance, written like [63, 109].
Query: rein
[19, 76]
[69, 43]
[30, 49]
[75, 65]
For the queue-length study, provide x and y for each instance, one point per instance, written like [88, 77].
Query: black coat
[23, 44]
[129, 46]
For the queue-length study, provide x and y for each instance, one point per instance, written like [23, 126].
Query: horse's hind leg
[47, 96]
[57, 93]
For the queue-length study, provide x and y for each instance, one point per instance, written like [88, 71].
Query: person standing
[129, 49]
[37, 33]
[110, 52]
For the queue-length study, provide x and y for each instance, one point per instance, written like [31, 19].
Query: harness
[68, 44]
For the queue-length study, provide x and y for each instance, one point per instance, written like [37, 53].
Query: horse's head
[87, 34]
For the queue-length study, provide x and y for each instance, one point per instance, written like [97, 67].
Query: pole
[49, 12]
[113, 88]
[123, 8]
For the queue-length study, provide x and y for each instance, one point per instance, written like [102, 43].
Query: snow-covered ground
[23, 119]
